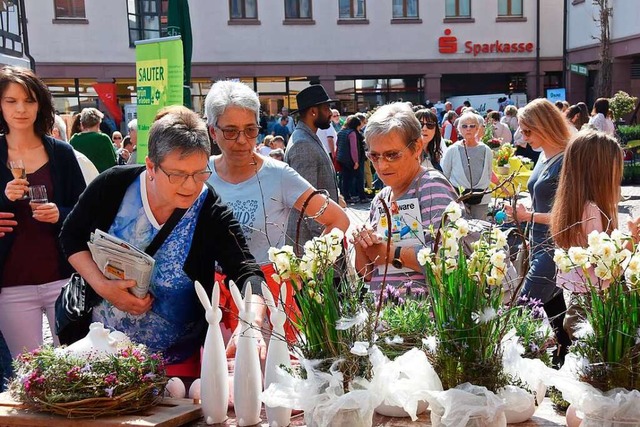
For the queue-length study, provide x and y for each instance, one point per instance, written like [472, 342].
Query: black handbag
[74, 305]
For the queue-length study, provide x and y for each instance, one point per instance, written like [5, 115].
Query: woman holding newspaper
[416, 199]
[32, 267]
[132, 203]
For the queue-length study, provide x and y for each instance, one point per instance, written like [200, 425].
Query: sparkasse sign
[448, 44]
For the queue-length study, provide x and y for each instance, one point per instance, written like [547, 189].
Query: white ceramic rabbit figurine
[214, 383]
[247, 380]
[278, 353]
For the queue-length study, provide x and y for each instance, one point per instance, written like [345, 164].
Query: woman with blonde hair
[543, 127]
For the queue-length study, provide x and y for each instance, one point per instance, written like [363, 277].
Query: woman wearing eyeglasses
[543, 127]
[133, 203]
[467, 164]
[415, 196]
[261, 191]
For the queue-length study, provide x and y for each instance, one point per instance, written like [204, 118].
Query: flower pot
[520, 405]
[503, 170]
[399, 412]
[344, 417]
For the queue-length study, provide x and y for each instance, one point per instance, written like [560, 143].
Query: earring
[150, 178]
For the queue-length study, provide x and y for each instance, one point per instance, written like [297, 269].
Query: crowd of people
[266, 190]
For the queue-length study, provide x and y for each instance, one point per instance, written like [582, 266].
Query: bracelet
[532, 213]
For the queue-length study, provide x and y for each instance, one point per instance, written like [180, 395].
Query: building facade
[13, 48]
[583, 47]
[365, 52]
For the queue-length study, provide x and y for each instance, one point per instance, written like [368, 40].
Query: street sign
[579, 69]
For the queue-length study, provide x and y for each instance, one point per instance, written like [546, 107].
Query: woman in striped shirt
[415, 199]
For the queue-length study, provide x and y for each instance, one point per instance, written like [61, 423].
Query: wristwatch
[397, 262]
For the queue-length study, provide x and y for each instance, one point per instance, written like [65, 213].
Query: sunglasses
[468, 126]
[387, 156]
[429, 125]
[526, 132]
[117, 137]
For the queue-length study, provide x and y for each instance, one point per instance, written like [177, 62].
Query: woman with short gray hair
[415, 196]
[132, 203]
[468, 165]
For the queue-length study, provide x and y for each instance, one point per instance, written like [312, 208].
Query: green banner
[159, 74]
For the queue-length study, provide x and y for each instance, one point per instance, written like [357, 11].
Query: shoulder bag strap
[164, 232]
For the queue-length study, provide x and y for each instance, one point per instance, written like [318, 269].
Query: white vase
[277, 354]
[503, 170]
[520, 405]
[247, 383]
[398, 411]
[214, 383]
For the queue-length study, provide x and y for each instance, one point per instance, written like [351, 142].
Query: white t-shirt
[262, 203]
[324, 134]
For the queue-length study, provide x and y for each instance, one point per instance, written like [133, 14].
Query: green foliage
[622, 104]
[629, 133]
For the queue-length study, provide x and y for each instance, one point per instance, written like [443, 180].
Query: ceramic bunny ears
[278, 316]
[213, 312]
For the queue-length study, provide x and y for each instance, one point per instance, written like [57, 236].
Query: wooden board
[169, 413]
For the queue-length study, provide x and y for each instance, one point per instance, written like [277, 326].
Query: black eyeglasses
[468, 126]
[233, 134]
[117, 137]
[429, 125]
[388, 156]
[526, 132]
[181, 178]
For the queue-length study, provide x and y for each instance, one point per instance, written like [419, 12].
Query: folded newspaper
[118, 259]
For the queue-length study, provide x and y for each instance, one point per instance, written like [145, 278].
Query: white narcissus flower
[623, 256]
[499, 237]
[579, 256]
[602, 271]
[619, 238]
[633, 266]
[462, 228]
[498, 259]
[450, 265]
[595, 239]
[607, 252]
[424, 255]
[281, 258]
[453, 211]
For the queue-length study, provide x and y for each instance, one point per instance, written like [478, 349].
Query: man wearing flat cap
[306, 155]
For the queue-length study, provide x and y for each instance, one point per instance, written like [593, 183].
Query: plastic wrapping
[466, 405]
[615, 408]
[322, 398]
[532, 372]
[404, 382]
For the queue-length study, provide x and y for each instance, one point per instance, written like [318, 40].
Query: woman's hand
[371, 244]
[6, 223]
[117, 293]
[46, 212]
[16, 189]
[356, 166]
[520, 214]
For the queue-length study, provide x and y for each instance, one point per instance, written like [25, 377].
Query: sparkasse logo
[448, 44]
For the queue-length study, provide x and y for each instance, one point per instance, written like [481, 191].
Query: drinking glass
[19, 172]
[38, 195]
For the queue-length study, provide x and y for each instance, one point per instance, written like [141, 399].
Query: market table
[184, 412]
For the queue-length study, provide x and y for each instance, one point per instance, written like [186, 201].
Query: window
[243, 9]
[458, 8]
[69, 9]
[297, 9]
[510, 8]
[352, 9]
[405, 9]
[147, 19]
[10, 30]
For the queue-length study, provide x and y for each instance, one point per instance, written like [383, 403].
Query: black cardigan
[68, 184]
